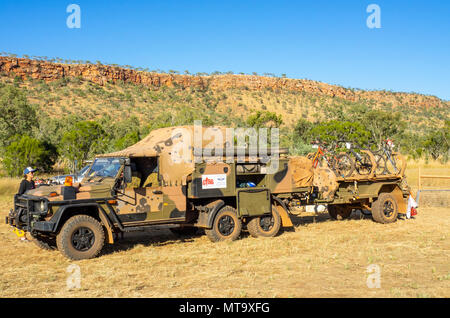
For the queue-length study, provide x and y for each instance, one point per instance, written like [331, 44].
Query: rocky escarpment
[101, 74]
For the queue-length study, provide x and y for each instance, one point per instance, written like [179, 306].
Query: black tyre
[364, 165]
[385, 208]
[46, 243]
[339, 211]
[344, 165]
[381, 165]
[81, 237]
[393, 164]
[266, 225]
[226, 225]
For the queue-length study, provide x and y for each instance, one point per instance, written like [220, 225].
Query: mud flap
[107, 225]
[285, 219]
[401, 201]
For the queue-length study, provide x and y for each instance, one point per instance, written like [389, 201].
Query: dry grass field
[321, 258]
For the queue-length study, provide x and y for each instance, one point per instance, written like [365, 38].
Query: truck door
[145, 200]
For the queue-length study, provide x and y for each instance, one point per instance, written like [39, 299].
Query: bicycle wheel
[393, 164]
[344, 165]
[381, 164]
[363, 165]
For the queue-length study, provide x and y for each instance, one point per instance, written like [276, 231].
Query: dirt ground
[322, 258]
[318, 258]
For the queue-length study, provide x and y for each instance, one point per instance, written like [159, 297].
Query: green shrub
[26, 151]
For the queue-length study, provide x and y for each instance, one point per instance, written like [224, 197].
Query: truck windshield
[104, 167]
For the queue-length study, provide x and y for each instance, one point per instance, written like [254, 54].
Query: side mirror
[124, 161]
[127, 174]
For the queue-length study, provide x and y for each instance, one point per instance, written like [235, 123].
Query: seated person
[135, 179]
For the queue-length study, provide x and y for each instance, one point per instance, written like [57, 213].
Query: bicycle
[341, 164]
[392, 161]
[364, 163]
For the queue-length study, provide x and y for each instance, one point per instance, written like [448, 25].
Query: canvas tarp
[302, 171]
[174, 146]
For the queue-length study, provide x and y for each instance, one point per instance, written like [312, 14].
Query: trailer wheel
[226, 225]
[81, 237]
[339, 212]
[385, 209]
[266, 225]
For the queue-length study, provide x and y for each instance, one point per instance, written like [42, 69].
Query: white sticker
[214, 181]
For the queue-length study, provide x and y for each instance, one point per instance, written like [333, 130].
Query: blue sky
[326, 41]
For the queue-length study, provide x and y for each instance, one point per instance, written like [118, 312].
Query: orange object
[53, 194]
[68, 182]
[112, 202]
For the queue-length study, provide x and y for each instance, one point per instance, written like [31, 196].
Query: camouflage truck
[148, 184]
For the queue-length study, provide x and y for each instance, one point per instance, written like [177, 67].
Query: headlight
[40, 207]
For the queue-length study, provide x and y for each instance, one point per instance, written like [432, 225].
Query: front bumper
[9, 220]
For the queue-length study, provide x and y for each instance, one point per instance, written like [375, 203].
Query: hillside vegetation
[127, 103]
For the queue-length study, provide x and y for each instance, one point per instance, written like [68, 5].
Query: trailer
[385, 196]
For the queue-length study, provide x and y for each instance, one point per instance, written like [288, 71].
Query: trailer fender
[401, 202]
[283, 211]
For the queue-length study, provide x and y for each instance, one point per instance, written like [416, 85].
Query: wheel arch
[397, 192]
[91, 209]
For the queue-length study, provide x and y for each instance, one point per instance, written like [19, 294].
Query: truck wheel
[339, 212]
[266, 225]
[385, 209]
[226, 225]
[46, 243]
[81, 237]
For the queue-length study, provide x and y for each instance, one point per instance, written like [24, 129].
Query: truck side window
[146, 170]
[152, 179]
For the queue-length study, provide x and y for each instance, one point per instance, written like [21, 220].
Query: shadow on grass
[156, 236]
[163, 236]
[299, 220]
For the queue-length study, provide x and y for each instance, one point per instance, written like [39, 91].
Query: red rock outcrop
[101, 74]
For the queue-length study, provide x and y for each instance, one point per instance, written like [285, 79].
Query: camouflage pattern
[169, 185]
[326, 182]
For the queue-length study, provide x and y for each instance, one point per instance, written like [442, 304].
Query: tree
[335, 130]
[26, 151]
[17, 116]
[264, 119]
[383, 125]
[302, 130]
[437, 143]
[84, 140]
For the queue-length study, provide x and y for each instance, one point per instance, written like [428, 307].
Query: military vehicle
[163, 180]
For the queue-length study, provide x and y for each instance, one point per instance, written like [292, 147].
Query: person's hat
[28, 170]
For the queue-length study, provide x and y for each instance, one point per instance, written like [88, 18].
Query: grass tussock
[9, 186]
